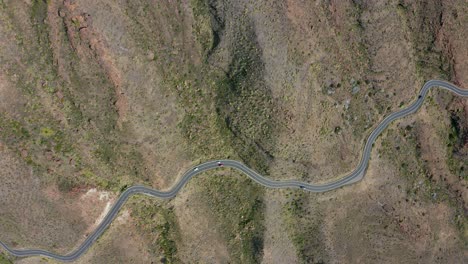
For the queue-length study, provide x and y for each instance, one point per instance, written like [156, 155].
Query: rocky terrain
[99, 95]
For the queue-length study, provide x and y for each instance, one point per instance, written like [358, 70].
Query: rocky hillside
[99, 95]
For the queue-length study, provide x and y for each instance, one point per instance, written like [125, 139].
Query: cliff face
[107, 94]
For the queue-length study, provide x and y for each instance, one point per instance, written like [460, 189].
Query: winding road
[354, 176]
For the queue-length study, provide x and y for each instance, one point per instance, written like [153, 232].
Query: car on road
[302, 187]
[196, 169]
[220, 164]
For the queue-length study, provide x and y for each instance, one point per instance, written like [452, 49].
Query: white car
[196, 169]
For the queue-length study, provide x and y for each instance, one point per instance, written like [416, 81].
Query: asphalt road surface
[352, 177]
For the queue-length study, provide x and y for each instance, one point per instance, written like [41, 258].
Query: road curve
[352, 177]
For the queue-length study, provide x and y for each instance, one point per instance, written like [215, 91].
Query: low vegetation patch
[303, 223]
[455, 142]
[4, 259]
[158, 223]
[238, 208]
